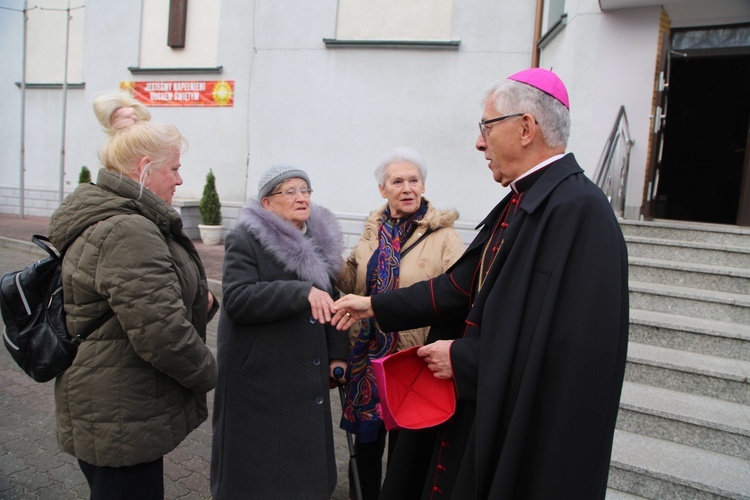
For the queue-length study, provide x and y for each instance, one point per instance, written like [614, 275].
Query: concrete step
[718, 278]
[655, 468]
[704, 336]
[699, 421]
[692, 302]
[689, 372]
[620, 495]
[688, 231]
[689, 251]
[26, 246]
[683, 429]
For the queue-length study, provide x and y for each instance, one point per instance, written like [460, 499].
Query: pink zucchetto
[544, 80]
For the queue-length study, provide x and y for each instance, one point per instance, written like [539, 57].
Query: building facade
[331, 85]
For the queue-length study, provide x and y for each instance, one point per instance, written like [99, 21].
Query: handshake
[343, 313]
[350, 308]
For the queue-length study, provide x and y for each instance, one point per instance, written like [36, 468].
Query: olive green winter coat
[138, 384]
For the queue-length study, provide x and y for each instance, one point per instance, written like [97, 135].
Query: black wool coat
[272, 423]
[539, 355]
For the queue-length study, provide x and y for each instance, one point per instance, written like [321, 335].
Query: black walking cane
[338, 372]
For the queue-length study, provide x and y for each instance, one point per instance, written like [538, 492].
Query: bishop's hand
[349, 309]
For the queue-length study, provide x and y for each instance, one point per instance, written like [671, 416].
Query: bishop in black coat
[536, 313]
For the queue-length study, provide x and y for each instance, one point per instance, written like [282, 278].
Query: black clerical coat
[539, 355]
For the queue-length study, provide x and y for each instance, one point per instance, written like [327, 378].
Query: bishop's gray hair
[511, 97]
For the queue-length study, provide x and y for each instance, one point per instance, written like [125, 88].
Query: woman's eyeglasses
[292, 193]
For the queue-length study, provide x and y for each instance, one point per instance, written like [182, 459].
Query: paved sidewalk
[32, 467]
[14, 227]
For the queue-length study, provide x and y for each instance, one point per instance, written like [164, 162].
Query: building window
[177, 23]
[47, 26]
[555, 21]
[394, 23]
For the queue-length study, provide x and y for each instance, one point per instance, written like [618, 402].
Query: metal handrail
[612, 177]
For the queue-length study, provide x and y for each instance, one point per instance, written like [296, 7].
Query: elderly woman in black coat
[272, 431]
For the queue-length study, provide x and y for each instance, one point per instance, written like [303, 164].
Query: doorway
[706, 140]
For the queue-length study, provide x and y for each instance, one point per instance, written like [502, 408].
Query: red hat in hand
[410, 395]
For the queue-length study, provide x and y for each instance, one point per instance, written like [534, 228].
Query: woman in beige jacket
[405, 241]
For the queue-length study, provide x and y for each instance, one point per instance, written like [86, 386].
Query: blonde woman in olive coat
[138, 384]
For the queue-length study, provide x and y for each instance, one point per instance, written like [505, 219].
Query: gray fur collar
[316, 256]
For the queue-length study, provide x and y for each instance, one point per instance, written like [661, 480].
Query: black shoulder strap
[424, 235]
[46, 245]
[94, 326]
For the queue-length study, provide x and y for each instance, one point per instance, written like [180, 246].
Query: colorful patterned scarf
[361, 412]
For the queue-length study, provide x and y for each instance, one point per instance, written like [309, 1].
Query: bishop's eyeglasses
[482, 123]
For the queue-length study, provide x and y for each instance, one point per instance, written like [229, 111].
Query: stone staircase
[683, 430]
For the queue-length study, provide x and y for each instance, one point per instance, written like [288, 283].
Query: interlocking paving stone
[31, 465]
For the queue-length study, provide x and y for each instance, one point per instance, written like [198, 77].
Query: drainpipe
[22, 167]
[64, 104]
[537, 33]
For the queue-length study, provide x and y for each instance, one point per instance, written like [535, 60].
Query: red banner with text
[182, 93]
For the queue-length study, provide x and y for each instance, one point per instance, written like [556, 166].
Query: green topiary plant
[210, 206]
[85, 176]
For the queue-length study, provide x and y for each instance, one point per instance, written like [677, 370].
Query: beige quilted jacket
[431, 257]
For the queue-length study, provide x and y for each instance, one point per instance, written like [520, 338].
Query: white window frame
[394, 24]
[555, 21]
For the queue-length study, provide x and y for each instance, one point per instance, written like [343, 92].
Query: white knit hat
[278, 174]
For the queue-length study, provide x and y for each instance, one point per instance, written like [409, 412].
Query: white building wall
[47, 38]
[333, 111]
[608, 61]
[627, 65]
[202, 28]
[394, 20]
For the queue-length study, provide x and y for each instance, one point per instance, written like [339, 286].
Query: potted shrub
[85, 176]
[210, 209]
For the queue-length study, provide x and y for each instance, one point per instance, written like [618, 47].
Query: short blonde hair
[139, 138]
